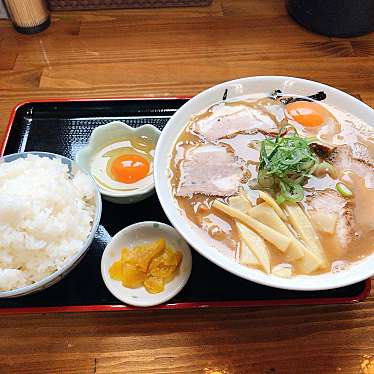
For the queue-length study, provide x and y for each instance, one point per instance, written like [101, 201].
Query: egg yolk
[129, 168]
[307, 113]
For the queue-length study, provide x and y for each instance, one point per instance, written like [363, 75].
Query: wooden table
[180, 52]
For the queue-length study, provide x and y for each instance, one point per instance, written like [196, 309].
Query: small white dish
[138, 234]
[106, 134]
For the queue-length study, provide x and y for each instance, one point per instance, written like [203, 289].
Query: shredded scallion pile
[286, 163]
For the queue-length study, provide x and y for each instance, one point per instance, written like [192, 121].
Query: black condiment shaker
[340, 18]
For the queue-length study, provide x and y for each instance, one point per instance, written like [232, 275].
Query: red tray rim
[183, 305]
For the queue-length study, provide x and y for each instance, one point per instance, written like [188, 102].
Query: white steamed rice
[45, 217]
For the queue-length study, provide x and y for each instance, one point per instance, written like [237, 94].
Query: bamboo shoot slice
[241, 203]
[309, 263]
[304, 228]
[256, 244]
[281, 241]
[246, 256]
[324, 222]
[282, 271]
[269, 199]
[267, 215]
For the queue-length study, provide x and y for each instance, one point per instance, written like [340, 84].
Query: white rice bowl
[46, 215]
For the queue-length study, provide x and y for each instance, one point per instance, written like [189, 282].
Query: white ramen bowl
[248, 86]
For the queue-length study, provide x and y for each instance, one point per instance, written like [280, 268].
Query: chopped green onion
[343, 190]
[307, 165]
[324, 168]
[254, 145]
[265, 180]
[280, 199]
[292, 192]
[286, 161]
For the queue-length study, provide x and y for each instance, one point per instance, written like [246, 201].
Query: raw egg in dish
[126, 164]
[307, 114]
[128, 168]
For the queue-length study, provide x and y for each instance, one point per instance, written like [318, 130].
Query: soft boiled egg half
[308, 114]
[313, 119]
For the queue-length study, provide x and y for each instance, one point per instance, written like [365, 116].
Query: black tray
[63, 127]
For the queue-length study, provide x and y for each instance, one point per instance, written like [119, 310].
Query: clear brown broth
[219, 230]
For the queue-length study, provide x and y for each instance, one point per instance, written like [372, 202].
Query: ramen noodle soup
[282, 184]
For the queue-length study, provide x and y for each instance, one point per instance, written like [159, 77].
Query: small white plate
[138, 234]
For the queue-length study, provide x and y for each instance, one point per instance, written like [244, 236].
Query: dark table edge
[192, 305]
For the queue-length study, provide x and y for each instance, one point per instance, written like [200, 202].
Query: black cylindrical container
[341, 18]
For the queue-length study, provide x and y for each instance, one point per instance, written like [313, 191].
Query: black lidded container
[340, 18]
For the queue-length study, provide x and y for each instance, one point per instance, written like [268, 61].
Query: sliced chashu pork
[329, 202]
[232, 120]
[210, 170]
[355, 158]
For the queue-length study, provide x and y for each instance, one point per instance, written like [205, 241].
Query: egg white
[101, 159]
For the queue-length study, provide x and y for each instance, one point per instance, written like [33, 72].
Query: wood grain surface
[163, 52]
